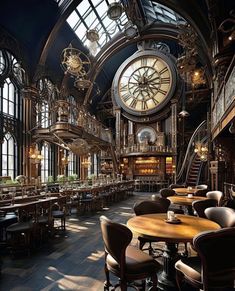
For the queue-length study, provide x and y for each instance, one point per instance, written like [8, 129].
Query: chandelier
[35, 155]
[65, 160]
[188, 63]
[201, 149]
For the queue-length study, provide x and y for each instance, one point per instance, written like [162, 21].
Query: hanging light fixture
[35, 155]
[93, 37]
[183, 113]
[115, 10]
[201, 149]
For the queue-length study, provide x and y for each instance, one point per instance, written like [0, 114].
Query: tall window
[9, 156]
[72, 164]
[45, 164]
[12, 77]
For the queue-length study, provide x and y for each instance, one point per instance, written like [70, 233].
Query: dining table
[186, 201]
[185, 191]
[156, 226]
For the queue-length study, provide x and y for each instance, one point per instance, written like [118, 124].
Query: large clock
[145, 82]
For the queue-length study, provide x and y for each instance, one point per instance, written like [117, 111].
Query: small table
[185, 191]
[185, 201]
[152, 226]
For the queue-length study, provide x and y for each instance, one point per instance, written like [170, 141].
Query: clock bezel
[126, 64]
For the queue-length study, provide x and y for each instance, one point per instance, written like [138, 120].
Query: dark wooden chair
[124, 261]
[214, 267]
[224, 216]
[158, 205]
[166, 192]
[201, 205]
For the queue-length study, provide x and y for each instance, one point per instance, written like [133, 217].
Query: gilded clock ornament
[145, 82]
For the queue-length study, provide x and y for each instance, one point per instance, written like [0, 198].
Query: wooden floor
[71, 261]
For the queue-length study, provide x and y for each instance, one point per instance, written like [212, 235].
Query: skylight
[92, 14]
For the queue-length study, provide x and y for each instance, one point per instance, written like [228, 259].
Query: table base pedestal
[166, 279]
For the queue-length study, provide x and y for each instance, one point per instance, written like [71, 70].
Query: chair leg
[107, 283]
[154, 282]
[123, 286]
[179, 279]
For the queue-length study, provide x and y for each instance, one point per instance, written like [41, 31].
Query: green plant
[61, 178]
[50, 179]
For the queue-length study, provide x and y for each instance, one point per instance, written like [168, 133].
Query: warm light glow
[201, 150]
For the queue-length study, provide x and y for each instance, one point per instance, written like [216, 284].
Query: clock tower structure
[142, 90]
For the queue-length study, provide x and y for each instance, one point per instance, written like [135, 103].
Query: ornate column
[130, 133]
[174, 125]
[118, 129]
[29, 96]
[174, 133]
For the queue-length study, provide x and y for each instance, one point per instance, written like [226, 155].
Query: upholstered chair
[224, 216]
[199, 206]
[217, 195]
[124, 261]
[214, 267]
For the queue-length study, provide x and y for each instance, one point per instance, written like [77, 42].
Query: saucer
[175, 221]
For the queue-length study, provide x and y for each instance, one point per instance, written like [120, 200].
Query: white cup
[190, 195]
[170, 215]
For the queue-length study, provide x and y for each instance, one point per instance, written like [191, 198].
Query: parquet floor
[70, 261]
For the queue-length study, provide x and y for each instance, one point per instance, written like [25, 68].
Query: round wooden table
[185, 201]
[154, 226]
[185, 191]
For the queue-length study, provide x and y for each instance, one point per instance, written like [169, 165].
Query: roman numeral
[133, 103]
[162, 91]
[124, 88]
[163, 70]
[144, 105]
[126, 97]
[144, 62]
[165, 80]
[155, 101]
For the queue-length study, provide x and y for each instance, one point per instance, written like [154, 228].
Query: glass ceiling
[92, 14]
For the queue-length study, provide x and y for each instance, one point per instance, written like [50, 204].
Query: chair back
[201, 192]
[159, 205]
[217, 195]
[200, 205]
[224, 216]
[116, 238]
[217, 253]
[172, 186]
[202, 186]
[166, 192]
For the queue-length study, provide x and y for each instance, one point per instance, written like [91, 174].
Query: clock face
[145, 83]
[146, 134]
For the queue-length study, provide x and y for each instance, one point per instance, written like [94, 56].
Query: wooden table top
[185, 191]
[185, 200]
[154, 226]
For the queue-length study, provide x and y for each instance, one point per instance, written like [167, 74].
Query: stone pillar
[130, 133]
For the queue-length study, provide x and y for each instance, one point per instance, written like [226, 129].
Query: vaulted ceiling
[41, 30]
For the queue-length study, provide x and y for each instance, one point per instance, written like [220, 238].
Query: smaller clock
[146, 134]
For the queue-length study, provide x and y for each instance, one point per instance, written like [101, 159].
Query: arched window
[46, 162]
[9, 98]
[9, 156]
